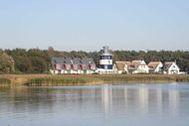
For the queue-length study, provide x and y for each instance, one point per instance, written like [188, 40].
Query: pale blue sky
[90, 24]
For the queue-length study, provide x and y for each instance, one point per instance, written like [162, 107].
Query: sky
[90, 24]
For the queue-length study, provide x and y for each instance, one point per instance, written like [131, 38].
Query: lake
[103, 105]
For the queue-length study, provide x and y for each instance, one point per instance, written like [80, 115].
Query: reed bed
[182, 78]
[67, 80]
[63, 81]
[5, 82]
[137, 78]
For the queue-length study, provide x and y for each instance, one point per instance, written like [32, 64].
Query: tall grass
[137, 78]
[64, 80]
[182, 78]
[5, 82]
[60, 80]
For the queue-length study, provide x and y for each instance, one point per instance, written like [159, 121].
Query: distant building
[121, 67]
[72, 66]
[171, 68]
[155, 67]
[127, 67]
[105, 63]
[138, 67]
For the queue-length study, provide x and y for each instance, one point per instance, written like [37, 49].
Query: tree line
[21, 61]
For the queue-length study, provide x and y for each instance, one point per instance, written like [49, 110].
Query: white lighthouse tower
[105, 63]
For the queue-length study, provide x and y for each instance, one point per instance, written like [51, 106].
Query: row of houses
[140, 66]
[107, 66]
[72, 66]
[88, 66]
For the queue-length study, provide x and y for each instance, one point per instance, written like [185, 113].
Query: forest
[27, 61]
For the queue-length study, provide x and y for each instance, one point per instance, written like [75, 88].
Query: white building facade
[138, 67]
[155, 67]
[171, 68]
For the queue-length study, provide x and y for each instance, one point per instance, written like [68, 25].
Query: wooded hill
[39, 61]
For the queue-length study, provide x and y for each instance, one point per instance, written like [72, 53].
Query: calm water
[106, 105]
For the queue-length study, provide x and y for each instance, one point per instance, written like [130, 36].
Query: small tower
[105, 62]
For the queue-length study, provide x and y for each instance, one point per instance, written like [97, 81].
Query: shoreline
[77, 80]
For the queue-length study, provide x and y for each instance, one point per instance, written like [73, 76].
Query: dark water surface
[105, 105]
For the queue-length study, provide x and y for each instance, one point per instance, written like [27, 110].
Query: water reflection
[107, 102]
[173, 101]
[106, 96]
[143, 100]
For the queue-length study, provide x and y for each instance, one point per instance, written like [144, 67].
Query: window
[105, 57]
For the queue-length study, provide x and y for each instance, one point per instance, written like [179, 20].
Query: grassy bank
[5, 82]
[65, 80]
[144, 78]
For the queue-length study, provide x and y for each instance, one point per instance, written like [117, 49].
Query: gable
[155, 65]
[120, 66]
[173, 67]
